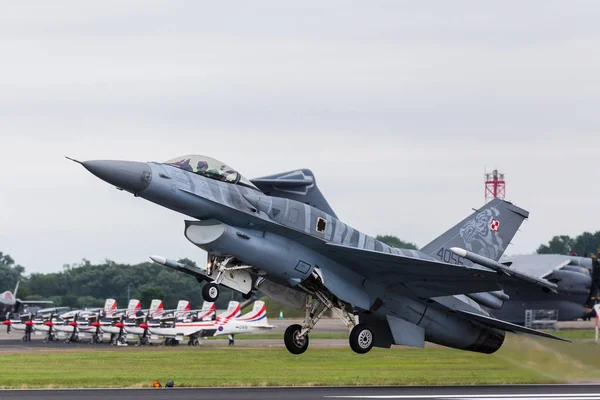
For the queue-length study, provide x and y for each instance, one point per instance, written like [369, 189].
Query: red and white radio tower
[495, 185]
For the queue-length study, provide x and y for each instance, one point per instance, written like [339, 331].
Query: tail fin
[208, 310]
[156, 308]
[487, 232]
[16, 289]
[183, 309]
[110, 306]
[258, 313]
[133, 307]
[233, 311]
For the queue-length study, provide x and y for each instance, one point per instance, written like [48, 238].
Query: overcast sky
[397, 107]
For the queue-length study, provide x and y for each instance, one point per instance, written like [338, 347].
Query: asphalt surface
[528, 392]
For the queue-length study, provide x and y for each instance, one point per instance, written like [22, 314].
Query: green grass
[574, 334]
[520, 361]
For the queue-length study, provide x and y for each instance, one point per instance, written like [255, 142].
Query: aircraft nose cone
[132, 176]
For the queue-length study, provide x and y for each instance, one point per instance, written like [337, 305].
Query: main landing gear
[296, 336]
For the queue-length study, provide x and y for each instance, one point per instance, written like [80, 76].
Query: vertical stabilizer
[183, 309]
[133, 307]
[258, 314]
[233, 311]
[16, 289]
[207, 312]
[110, 307]
[156, 308]
[486, 232]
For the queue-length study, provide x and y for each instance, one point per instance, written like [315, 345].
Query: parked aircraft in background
[113, 322]
[143, 321]
[253, 322]
[197, 325]
[9, 303]
[577, 280]
[384, 295]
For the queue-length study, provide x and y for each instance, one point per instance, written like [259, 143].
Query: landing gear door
[238, 280]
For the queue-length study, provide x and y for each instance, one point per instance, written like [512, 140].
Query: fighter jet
[577, 280]
[10, 303]
[273, 241]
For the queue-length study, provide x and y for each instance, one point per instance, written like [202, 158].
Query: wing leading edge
[425, 278]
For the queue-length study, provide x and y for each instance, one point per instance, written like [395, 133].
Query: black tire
[247, 296]
[361, 339]
[210, 292]
[293, 343]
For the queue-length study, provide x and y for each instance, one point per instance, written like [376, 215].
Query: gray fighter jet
[578, 287]
[278, 234]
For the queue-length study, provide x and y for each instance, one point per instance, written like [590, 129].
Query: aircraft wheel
[210, 292]
[293, 342]
[361, 339]
[174, 342]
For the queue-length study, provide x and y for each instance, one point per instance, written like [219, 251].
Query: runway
[526, 392]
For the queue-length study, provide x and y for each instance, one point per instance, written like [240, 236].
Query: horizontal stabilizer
[504, 269]
[507, 326]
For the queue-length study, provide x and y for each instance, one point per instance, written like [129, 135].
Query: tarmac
[514, 392]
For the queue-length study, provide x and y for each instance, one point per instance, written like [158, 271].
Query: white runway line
[575, 396]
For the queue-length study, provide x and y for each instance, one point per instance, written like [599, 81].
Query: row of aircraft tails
[119, 325]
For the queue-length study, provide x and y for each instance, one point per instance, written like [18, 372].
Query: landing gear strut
[296, 336]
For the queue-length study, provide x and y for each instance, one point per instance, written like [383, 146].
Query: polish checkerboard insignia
[495, 225]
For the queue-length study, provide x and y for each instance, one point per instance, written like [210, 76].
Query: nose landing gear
[226, 271]
[210, 292]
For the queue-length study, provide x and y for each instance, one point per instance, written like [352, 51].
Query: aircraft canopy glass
[210, 168]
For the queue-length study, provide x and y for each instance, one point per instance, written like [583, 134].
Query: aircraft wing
[32, 302]
[506, 326]
[425, 278]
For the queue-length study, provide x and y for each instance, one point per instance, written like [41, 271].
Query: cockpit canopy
[210, 168]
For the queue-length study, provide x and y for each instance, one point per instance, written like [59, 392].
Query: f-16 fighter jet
[286, 239]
